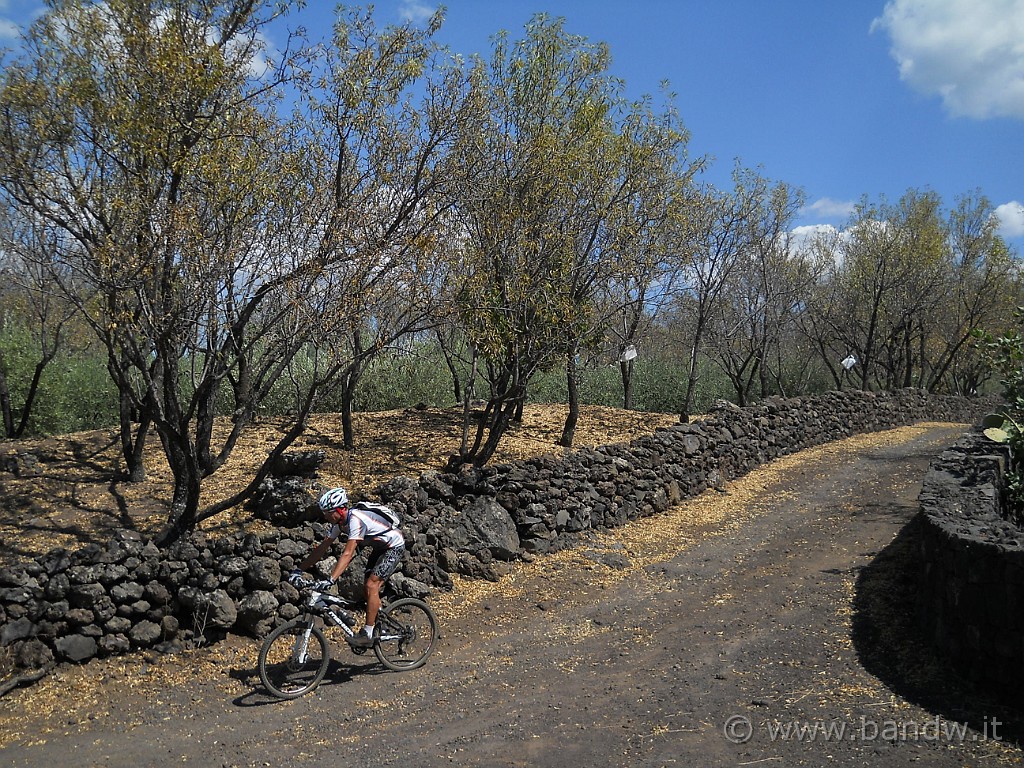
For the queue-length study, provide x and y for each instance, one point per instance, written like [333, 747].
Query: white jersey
[363, 525]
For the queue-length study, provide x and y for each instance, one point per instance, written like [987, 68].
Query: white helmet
[333, 499]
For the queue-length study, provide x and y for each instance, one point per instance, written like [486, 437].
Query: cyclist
[364, 523]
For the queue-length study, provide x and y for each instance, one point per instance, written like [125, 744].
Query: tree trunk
[132, 447]
[747, 383]
[185, 496]
[501, 417]
[908, 351]
[691, 383]
[348, 395]
[347, 430]
[493, 423]
[741, 399]
[33, 388]
[467, 408]
[137, 465]
[626, 372]
[296, 430]
[449, 360]
[5, 402]
[205, 398]
[10, 429]
[762, 376]
[182, 518]
[572, 379]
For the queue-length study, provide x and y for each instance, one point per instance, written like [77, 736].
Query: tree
[556, 170]
[140, 132]
[642, 228]
[542, 107]
[719, 234]
[982, 287]
[764, 290]
[377, 135]
[885, 280]
[637, 197]
[907, 285]
[29, 307]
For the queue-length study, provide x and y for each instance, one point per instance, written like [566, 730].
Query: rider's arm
[346, 557]
[316, 555]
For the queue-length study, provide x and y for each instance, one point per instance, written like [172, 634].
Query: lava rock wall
[129, 595]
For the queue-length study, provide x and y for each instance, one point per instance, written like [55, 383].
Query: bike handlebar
[304, 583]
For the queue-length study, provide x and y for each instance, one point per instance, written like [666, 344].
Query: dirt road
[764, 625]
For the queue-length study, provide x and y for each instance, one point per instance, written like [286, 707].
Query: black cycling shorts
[384, 562]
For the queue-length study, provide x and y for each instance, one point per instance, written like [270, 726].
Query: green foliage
[549, 205]
[74, 395]
[1006, 354]
[420, 375]
[906, 285]
[403, 379]
[1009, 432]
[75, 391]
[659, 386]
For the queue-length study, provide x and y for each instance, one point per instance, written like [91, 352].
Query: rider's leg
[373, 585]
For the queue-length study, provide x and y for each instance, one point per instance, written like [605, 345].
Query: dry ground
[77, 498]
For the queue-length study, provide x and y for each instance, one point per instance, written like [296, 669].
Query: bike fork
[300, 652]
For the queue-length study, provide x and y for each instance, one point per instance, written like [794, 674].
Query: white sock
[368, 629]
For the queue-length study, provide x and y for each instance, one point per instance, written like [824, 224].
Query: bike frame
[319, 604]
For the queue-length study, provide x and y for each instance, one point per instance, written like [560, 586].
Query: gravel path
[764, 625]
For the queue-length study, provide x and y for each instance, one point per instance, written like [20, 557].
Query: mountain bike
[295, 656]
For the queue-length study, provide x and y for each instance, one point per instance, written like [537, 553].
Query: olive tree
[906, 285]
[557, 175]
[33, 315]
[982, 288]
[142, 133]
[643, 228]
[379, 118]
[718, 236]
[882, 277]
[763, 291]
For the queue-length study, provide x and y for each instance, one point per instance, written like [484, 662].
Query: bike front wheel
[406, 634]
[294, 659]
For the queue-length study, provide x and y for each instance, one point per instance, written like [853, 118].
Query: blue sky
[844, 99]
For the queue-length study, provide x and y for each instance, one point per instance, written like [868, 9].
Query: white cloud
[827, 208]
[1011, 219]
[969, 52]
[9, 30]
[802, 238]
[811, 231]
[415, 11]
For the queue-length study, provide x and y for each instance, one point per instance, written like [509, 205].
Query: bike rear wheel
[294, 659]
[406, 634]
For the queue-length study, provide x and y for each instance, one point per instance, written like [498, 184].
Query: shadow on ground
[892, 649]
[338, 673]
